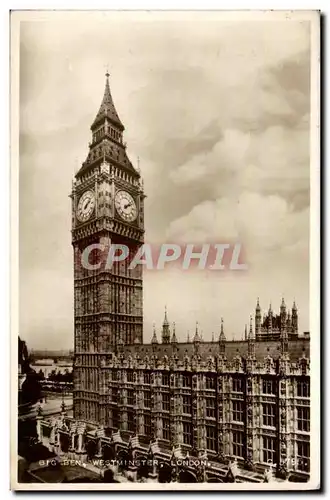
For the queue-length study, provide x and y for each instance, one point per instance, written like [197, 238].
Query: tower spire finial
[107, 109]
[196, 338]
[154, 336]
[166, 335]
[251, 344]
[251, 329]
[222, 339]
[165, 317]
[174, 339]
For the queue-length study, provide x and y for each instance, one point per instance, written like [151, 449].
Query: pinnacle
[107, 108]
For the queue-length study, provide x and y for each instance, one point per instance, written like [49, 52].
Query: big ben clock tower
[107, 208]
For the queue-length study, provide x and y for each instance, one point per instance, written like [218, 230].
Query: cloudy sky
[218, 112]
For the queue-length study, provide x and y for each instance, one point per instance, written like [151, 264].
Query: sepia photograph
[165, 303]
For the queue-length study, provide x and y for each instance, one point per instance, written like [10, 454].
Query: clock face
[86, 206]
[126, 206]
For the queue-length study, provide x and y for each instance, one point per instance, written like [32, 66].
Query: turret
[270, 320]
[294, 319]
[288, 323]
[282, 316]
[197, 339]
[257, 320]
[154, 336]
[174, 340]
[166, 334]
[222, 340]
[251, 342]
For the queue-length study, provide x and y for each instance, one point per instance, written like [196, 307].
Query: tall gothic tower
[107, 208]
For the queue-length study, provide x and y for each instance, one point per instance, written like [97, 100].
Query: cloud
[260, 223]
[273, 161]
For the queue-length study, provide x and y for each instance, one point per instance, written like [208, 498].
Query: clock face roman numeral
[126, 206]
[86, 206]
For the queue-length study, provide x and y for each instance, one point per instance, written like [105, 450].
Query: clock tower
[107, 208]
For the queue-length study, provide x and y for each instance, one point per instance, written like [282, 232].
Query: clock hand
[86, 205]
[127, 205]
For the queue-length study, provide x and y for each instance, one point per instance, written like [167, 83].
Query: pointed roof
[196, 337]
[222, 337]
[258, 305]
[165, 322]
[107, 108]
[174, 339]
[251, 343]
[251, 330]
[154, 337]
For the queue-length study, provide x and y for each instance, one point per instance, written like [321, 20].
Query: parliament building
[156, 409]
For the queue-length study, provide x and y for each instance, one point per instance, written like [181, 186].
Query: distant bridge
[62, 355]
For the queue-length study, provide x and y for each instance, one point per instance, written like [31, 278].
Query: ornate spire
[222, 339]
[196, 337]
[212, 337]
[107, 108]
[258, 309]
[166, 334]
[222, 336]
[251, 343]
[251, 329]
[188, 337]
[284, 337]
[174, 339]
[165, 322]
[294, 319]
[154, 336]
[245, 333]
[270, 320]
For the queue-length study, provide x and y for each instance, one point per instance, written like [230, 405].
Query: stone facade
[170, 411]
[242, 409]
